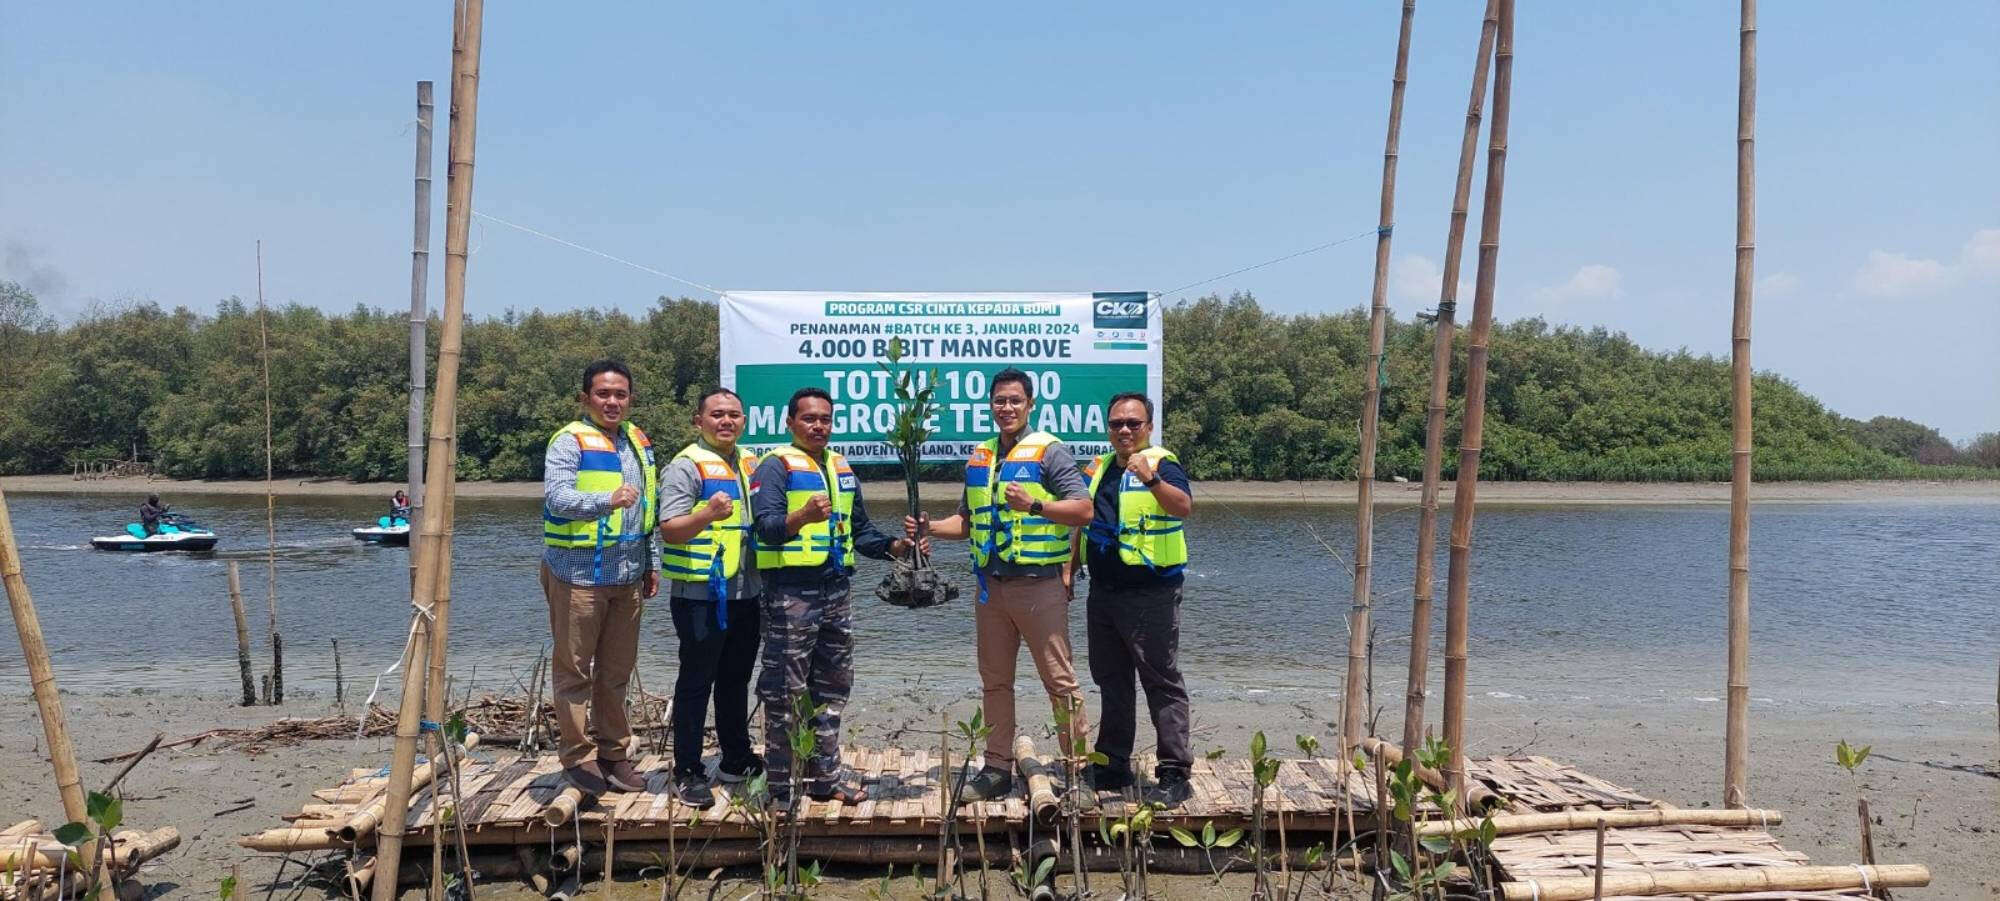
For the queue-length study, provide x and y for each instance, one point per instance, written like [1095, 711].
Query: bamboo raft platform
[1545, 813]
[33, 862]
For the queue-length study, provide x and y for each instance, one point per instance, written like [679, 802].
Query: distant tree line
[1249, 395]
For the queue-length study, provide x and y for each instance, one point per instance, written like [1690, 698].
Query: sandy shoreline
[1330, 493]
[1946, 819]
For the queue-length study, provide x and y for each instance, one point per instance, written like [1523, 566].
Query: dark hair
[792, 406]
[591, 372]
[1010, 374]
[701, 406]
[1124, 396]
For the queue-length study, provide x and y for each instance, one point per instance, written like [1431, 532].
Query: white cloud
[1777, 284]
[1899, 275]
[1593, 281]
[1886, 274]
[1982, 253]
[1416, 279]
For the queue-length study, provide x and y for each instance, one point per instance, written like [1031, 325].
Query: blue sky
[1108, 146]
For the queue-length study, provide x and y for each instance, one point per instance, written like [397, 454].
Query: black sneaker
[740, 771]
[1105, 778]
[1171, 789]
[989, 783]
[693, 790]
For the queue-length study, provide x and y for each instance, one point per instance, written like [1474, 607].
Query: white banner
[1080, 348]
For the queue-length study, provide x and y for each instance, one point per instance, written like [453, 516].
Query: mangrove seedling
[1207, 841]
[911, 581]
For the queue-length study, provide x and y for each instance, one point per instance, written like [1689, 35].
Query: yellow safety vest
[598, 471]
[999, 530]
[1145, 534]
[699, 560]
[816, 541]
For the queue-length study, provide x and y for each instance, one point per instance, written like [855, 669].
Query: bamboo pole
[433, 544]
[42, 680]
[242, 636]
[1717, 881]
[1573, 820]
[1354, 693]
[1466, 486]
[420, 267]
[1441, 338]
[1039, 783]
[1735, 780]
[270, 498]
[131, 849]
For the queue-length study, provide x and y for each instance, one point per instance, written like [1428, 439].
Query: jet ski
[385, 531]
[177, 533]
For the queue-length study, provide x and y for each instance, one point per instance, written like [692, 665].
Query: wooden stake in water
[1371, 407]
[42, 680]
[270, 499]
[1736, 754]
[1441, 337]
[242, 637]
[420, 264]
[1458, 579]
[433, 540]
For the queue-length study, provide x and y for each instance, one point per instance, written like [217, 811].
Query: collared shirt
[1106, 566]
[616, 563]
[680, 493]
[1060, 477]
[770, 508]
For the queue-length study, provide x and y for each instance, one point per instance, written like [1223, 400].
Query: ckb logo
[1118, 311]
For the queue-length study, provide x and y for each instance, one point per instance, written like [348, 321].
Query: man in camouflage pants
[809, 523]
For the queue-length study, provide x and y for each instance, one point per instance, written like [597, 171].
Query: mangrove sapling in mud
[974, 731]
[1208, 840]
[1075, 752]
[804, 741]
[1432, 861]
[1263, 772]
[1850, 758]
[104, 813]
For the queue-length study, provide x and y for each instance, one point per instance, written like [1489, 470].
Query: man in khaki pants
[1024, 495]
[598, 496]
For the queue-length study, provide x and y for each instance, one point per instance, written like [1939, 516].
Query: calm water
[1885, 604]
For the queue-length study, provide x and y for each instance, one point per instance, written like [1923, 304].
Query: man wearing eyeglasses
[1023, 497]
[708, 556]
[810, 522]
[1136, 548]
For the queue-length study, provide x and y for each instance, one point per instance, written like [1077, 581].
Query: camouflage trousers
[808, 650]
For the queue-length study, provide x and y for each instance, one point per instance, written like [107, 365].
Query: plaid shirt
[613, 564]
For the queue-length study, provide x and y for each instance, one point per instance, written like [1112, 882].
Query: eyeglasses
[1127, 425]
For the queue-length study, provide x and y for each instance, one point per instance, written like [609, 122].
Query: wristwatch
[1035, 508]
[1155, 480]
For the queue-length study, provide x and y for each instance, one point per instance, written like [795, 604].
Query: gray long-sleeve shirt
[616, 562]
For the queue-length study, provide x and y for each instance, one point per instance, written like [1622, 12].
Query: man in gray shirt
[1023, 499]
[710, 560]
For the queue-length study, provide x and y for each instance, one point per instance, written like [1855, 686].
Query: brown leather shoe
[622, 775]
[586, 777]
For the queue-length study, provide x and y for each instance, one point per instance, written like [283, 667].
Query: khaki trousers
[1019, 609]
[596, 631]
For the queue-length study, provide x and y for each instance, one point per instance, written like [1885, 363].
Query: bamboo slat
[1764, 879]
[1518, 824]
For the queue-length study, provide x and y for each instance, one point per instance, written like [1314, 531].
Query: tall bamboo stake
[270, 499]
[42, 679]
[1466, 487]
[420, 265]
[1736, 754]
[242, 637]
[1371, 406]
[1441, 338]
[433, 541]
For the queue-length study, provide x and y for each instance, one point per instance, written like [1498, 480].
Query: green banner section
[1069, 399]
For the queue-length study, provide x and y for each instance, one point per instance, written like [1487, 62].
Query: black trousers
[714, 662]
[1137, 631]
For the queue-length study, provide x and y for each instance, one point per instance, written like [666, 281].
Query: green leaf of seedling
[1488, 831]
[1399, 864]
[227, 889]
[98, 806]
[1257, 746]
[1043, 869]
[1099, 758]
[1104, 830]
[1307, 744]
[1436, 844]
[1229, 839]
[73, 833]
[1314, 853]
[456, 728]
[1443, 871]
[1182, 836]
[1215, 754]
[1208, 833]
[1360, 762]
[1143, 820]
[1119, 828]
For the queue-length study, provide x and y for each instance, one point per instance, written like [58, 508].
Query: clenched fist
[1017, 497]
[718, 507]
[1140, 468]
[625, 496]
[818, 508]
